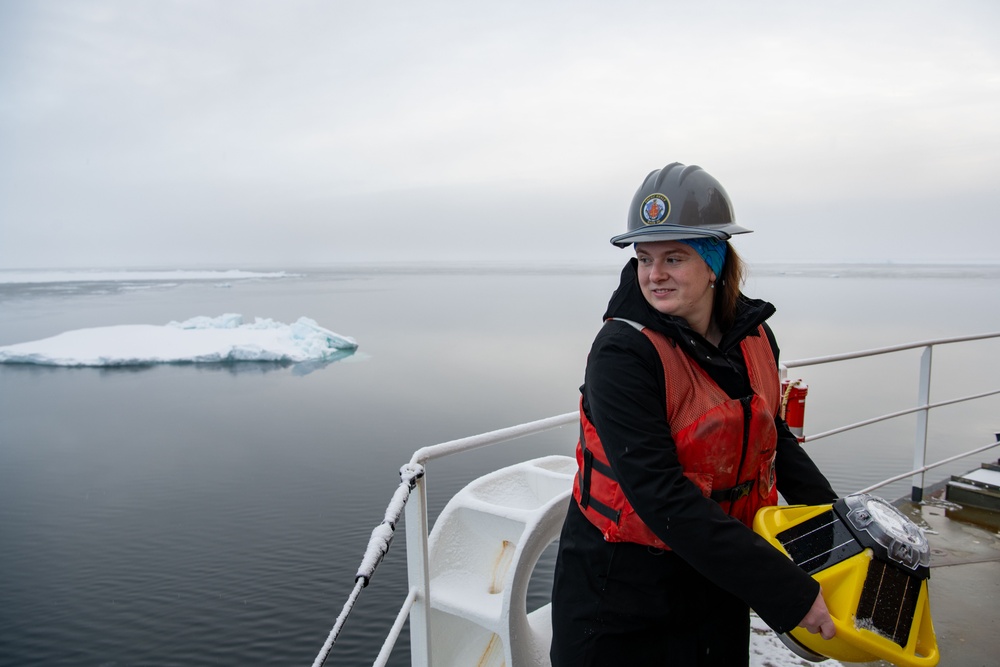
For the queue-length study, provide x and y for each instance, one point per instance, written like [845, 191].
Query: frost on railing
[378, 547]
[378, 544]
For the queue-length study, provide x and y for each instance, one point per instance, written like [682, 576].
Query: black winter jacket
[624, 397]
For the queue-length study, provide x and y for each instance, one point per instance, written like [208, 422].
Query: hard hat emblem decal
[655, 209]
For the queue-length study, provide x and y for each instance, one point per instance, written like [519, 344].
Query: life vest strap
[734, 493]
[589, 464]
[587, 501]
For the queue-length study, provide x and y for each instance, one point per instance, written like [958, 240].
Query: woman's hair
[727, 289]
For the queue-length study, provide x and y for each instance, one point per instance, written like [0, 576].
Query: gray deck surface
[965, 582]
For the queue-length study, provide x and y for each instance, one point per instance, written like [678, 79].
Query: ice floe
[64, 276]
[226, 338]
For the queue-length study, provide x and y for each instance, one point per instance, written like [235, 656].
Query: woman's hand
[818, 619]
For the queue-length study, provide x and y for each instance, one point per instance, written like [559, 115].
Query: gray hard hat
[679, 202]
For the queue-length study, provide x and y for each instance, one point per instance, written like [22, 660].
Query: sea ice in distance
[12, 277]
[226, 338]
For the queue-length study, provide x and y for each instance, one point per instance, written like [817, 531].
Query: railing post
[920, 446]
[418, 574]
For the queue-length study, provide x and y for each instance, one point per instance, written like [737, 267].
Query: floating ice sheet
[36, 276]
[226, 338]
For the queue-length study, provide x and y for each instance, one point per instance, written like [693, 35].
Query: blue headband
[713, 251]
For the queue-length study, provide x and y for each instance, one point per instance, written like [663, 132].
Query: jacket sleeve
[800, 481]
[624, 397]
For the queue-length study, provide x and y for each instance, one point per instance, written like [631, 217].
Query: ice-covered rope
[378, 546]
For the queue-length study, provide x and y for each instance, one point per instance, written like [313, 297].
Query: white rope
[378, 546]
[335, 631]
[786, 395]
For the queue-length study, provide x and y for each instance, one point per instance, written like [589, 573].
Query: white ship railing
[922, 409]
[416, 605]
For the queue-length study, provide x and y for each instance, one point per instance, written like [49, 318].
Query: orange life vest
[726, 446]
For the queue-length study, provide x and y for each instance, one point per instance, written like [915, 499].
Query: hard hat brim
[667, 232]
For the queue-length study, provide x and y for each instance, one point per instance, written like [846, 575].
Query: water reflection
[166, 514]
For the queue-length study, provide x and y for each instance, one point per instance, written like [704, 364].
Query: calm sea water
[215, 515]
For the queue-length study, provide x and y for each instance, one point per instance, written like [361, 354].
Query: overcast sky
[161, 133]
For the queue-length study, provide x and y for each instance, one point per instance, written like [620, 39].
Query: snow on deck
[766, 650]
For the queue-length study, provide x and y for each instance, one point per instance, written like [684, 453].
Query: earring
[711, 285]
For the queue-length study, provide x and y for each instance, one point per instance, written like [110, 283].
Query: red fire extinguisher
[793, 405]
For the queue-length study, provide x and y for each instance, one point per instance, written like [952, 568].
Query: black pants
[629, 605]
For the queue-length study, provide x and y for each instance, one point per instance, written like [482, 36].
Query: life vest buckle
[737, 492]
[740, 491]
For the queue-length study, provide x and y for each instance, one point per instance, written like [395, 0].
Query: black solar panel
[819, 542]
[888, 602]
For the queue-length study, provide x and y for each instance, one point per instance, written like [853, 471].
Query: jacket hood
[628, 303]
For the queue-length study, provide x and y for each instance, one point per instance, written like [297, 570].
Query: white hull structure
[483, 549]
[469, 576]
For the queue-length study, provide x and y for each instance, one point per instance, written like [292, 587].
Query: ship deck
[965, 579]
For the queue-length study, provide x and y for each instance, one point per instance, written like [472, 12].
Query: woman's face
[676, 280]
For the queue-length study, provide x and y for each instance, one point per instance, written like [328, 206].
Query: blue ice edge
[200, 340]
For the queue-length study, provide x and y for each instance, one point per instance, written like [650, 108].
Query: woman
[680, 445]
